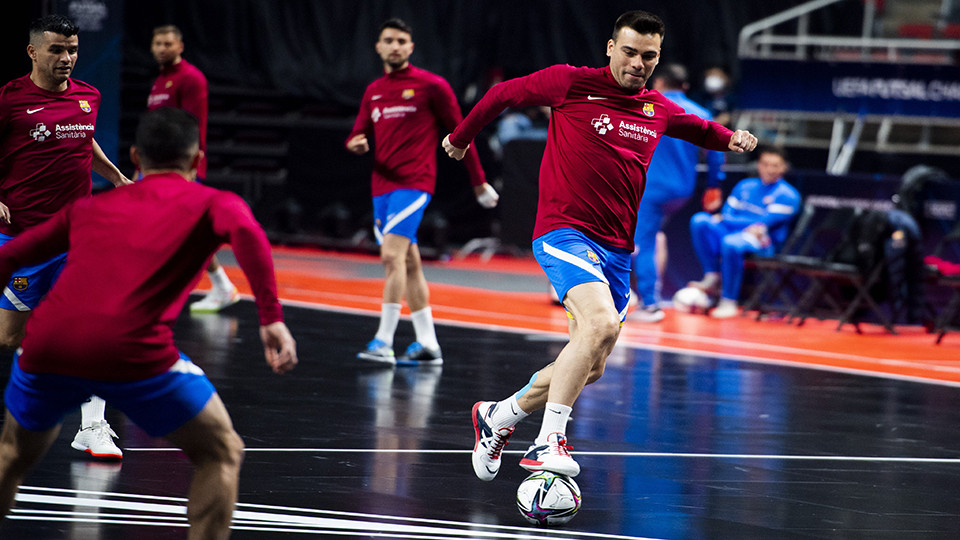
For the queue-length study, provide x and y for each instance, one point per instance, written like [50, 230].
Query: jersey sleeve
[363, 123]
[447, 112]
[194, 97]
[545, 87]
[233, 220]
[36, 244]
[693, 129]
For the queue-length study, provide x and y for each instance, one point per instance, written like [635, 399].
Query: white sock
[220, 280]
[92, 411]
[423, 327]
[507, 413]
[555, 418]
[389, 319]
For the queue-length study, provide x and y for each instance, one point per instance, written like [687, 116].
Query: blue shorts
[399, 212]
[570, 258]
[29, 284]
[159, 405]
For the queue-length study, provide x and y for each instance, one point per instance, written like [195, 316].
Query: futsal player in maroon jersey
[181, 85]
[402, 114]
[603, 130]
[100, 331]
[47, 150]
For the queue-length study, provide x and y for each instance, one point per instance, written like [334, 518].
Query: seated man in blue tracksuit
[756, 218]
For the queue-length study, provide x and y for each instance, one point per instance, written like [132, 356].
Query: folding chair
[817, 232]
[856, 262]
[770, 268]
[948, 315]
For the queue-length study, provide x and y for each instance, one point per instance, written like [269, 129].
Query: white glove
[489, 197]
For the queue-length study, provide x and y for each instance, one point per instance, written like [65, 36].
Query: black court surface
[671, 446]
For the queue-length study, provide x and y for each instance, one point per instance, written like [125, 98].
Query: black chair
[770, 269]
[856, 264]
[948, 316]
[818, 233]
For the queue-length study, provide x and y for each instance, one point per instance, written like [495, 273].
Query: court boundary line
[684, 455]
[680, 350]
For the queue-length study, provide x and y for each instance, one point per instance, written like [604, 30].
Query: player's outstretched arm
[742, 141]
[453, 151]
[279, 347]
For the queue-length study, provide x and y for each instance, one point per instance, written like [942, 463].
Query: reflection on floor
[698, 429]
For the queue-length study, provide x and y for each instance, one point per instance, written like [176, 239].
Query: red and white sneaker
[97, 440]
[553, 456]
[488, 444]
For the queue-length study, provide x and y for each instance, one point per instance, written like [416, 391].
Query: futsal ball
[545, 498]
[691, 300]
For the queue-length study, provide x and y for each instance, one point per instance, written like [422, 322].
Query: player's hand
[712, 199]
[4, 213]
[122, 181]
[358, 144]
[486, 195]
[742, 141]
[453, 151]
[279, 347]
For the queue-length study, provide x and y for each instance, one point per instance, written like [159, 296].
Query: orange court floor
[511, 293]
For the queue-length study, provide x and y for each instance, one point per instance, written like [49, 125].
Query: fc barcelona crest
[85, 106]
[593, 257]
[20, 283]
[408, 93]
[648, 109]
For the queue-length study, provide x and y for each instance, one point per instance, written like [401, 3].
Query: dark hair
[166, 138]
[642, 21]
[58, 24]
[396, 24]
[672, 75]
[773, 149]
[169, 29]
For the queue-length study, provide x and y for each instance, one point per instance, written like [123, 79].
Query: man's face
[394, 47]
[771, 167]
[166, 48]
[633, 57]
[55, 57]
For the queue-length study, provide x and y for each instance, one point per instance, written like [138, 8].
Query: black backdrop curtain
[323, 49]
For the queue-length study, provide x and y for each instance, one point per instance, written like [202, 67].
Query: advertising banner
[849, 87]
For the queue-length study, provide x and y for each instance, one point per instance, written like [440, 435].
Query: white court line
[788, 457]
[630, 341]
[148, 510]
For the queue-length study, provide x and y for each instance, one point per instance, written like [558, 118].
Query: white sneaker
[215, 300]
[488, 444]
[725, 310]
[648, 314]
[97, 440]
[553, 456]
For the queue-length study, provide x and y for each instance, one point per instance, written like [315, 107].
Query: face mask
[713, 83]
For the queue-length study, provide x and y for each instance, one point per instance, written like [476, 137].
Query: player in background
[402, 113]
[603, 131]
[47, 150]
[84, 338]
[181, 85]
[756, 218]
[671, 179]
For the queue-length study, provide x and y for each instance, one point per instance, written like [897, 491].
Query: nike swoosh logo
[594, 98]
[31, 111]
[555, 412]
[514, 411]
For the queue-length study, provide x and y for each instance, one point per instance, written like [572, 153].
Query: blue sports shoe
[378, 351]
[418, 355]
